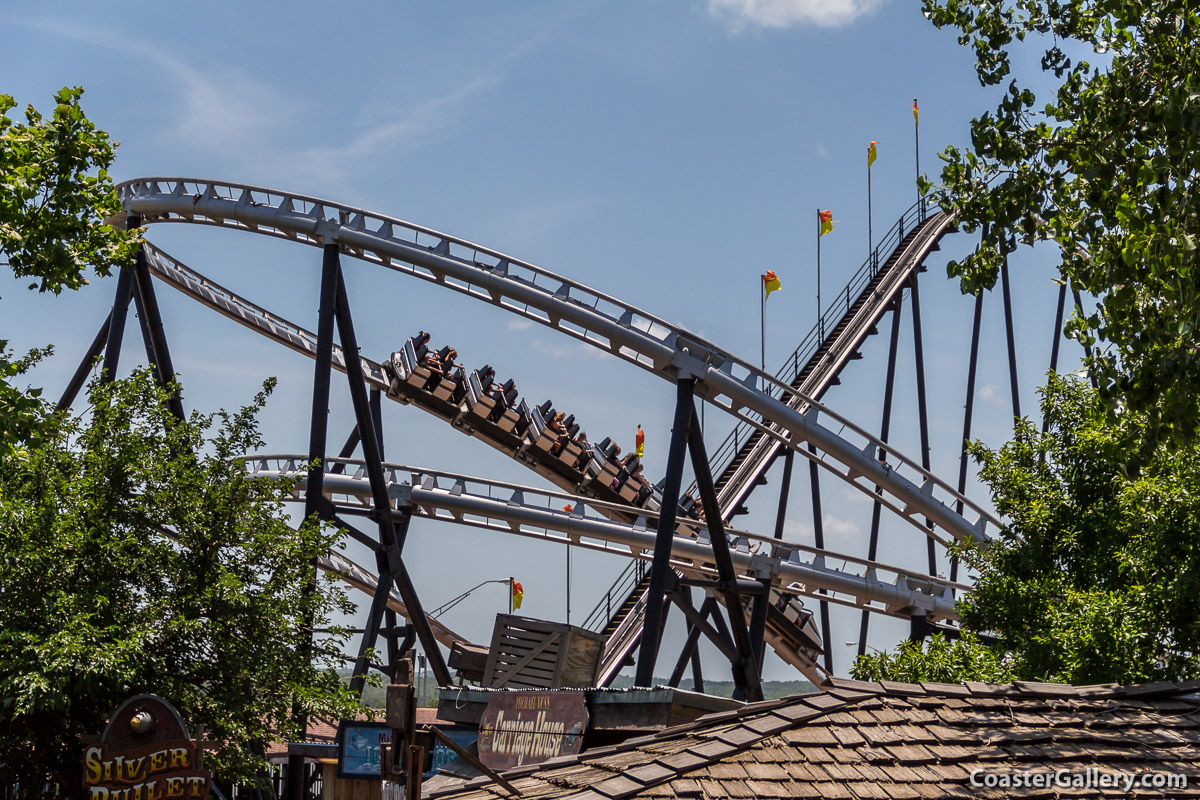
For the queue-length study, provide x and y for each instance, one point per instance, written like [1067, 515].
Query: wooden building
[897, 740]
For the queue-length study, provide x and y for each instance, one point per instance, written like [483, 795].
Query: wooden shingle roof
[892, 740]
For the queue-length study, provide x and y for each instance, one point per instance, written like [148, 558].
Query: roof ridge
[1092, 691]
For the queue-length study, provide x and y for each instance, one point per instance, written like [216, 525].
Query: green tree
[939, 659]
[1106, 168]
[137, 556]
[1096, 576]
[55, 195]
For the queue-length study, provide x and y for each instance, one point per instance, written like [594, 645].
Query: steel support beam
[116, 326]
[688, 652]
[747, 684]
[719, 637]
[151, 359]
[1012, 344]
[885, 429]
[394, 651]
[814, 482]
[317, 435]
[155, 333]
[347, 450]
[373, 458]
[922, 408]
[1058, 335]
[85, 365]
[968, 412]
[375, 619]
[661, 565]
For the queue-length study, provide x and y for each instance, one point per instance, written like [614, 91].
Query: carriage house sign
[145, 753]
[520, 728]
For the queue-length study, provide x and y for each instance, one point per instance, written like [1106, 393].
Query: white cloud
[740, 14]
[520, 324]
[838, 532]
[991, 394]
[554, 349]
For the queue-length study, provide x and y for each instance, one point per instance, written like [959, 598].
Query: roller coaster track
[882, 280]
[514, 509]
[810, 371]
[787, 629]
[782, 415]
[362, 579]
[574, 310]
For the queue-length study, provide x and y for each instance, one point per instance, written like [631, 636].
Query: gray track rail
[362, 579]
[578, 311]
[514, 509]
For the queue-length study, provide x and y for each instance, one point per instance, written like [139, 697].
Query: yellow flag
[871, 154]
[518, 594]
[826, 218]
[770, 282]
[916, 117]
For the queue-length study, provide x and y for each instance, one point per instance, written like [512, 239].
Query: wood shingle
[865, 740]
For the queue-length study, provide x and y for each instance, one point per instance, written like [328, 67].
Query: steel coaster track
[789, 644]
[514, 509]
[362, 579]
[573, 309]
[882, 281]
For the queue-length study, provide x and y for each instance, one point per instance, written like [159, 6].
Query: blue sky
[665, 153]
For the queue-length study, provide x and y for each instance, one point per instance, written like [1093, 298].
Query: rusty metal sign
[519, 728]
[145, 753]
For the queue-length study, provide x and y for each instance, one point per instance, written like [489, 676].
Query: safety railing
[620, 590]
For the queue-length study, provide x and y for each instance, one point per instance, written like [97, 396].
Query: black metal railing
[620, 590]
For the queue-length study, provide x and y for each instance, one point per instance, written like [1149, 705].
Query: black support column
[968, 412]
[155, 333]
[372, 456]
[314, 488]
[116, 320]
[814, 482]
[922, 408]
[884, 431]
[747, 684]
[661, 565]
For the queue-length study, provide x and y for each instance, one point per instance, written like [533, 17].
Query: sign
[145, 753]
[360, 748]
[443, 756]
[519, 728]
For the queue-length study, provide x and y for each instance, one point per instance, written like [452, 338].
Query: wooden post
[412, 783]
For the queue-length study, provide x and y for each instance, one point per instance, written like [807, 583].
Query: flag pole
[917, 138]
[762, 320]
[870, 234]
[820, 322]
[510, 593]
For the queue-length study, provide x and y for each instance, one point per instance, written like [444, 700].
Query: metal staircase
[747, 453]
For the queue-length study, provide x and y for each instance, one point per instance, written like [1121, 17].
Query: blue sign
[360, 749]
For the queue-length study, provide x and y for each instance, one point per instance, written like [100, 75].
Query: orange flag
[770, 282]
[826, 218]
